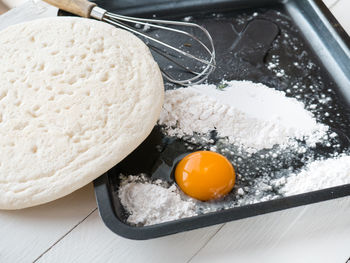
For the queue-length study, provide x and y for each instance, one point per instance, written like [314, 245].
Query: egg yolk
[205, 175]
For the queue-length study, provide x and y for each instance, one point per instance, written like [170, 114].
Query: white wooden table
[70, 229]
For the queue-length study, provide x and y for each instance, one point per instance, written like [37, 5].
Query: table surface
[70, 229]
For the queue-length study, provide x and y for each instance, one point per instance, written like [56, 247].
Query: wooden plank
[330, 3]
[314, 233]
[91, 241]
[26, 234]
[341, 11]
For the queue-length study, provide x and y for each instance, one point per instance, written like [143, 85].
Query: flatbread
[76, 97]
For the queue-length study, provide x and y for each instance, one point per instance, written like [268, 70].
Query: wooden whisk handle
[78, 7]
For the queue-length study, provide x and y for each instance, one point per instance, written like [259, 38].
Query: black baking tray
[243, 53]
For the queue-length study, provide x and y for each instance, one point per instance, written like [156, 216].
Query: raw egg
[205, 175]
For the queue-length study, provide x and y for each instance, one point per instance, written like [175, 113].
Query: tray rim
[110, 219]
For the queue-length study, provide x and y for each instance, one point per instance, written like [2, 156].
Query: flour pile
[319, 175]
[253, 117]
[151, 203]
[249, 114]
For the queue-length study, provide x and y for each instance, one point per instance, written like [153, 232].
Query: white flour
[319, 175]
[151, 203]
[251, 115]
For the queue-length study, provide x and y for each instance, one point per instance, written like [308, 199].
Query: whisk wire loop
[208, 64]
[168, 57]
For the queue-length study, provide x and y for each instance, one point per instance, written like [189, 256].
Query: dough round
[76, 97]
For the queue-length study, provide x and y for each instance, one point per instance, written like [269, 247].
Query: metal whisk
[205, 63]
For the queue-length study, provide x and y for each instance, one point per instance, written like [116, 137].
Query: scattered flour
[319, 175]
[187, 18]
[153, 203]
[250, 114]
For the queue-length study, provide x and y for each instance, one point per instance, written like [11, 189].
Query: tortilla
[76, 97]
